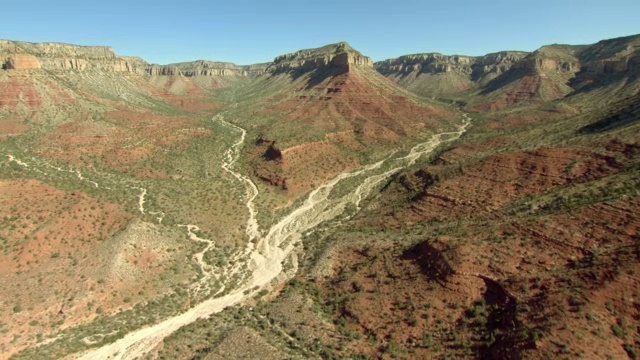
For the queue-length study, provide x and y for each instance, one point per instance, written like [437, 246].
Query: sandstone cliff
[206, 68]
[559, 58]
[340, 55]
[19, 55]
[539, 76]
[21, 62]
[16, 55]
[433, 63]
[434, 74]
[505, 78]
[555, 71]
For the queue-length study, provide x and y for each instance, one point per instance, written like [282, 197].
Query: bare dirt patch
[12, 127]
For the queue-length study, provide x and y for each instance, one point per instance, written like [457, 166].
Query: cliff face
[206, 68]
[557, 58]
[60, 57]
[340, 55]
[535, 63]
[15, 55]
[434, 63]
[21, 62]
[505, 78]
[434, 74]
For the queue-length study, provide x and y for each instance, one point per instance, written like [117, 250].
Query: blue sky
[250, 31]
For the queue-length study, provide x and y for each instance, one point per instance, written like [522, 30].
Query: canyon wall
[340, 55]
[16, 55]
[434, 63]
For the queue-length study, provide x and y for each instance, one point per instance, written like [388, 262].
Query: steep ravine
[266, 256]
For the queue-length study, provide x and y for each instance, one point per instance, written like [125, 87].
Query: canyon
[321, 205]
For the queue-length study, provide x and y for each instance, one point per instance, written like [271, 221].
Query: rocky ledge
[340, 55]
[206, 68]
[18, 55]
[434, 63]
[21, 62]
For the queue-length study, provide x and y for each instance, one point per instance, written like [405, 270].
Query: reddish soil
[568, 275]
[69, 258]
[581, 270]
[531, 89]
[291, 171]
[372, 111]
[12, 127]
[499, 179]
[347, 112]
[468, 149]
[58, 95]
[30, 91]
[18, 89]
[123, 141]
[49, 238]
[391, 295]
[188, 97]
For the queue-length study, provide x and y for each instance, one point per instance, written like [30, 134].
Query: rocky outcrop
[17, 55]
[432, 63]
[434, 74]
[498, 62]
[534, 63]
[205, 68]
[66, 57]
[540, 76]
[555, 58]
[21, 62]
[162, 70]
[511, 77]
[129, 64]
[340, 55]
[351, 58]
[435, 63]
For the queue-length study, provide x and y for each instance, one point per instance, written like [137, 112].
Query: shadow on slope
[626, 112]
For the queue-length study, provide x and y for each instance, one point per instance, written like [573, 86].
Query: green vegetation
[505, 242]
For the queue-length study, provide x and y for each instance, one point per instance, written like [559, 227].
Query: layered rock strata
[434, 63]
[15, 55]
[340, 55]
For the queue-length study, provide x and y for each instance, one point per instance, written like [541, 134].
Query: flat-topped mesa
[18, 55]
[205, 68]
[340, 55]
[435, 63]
